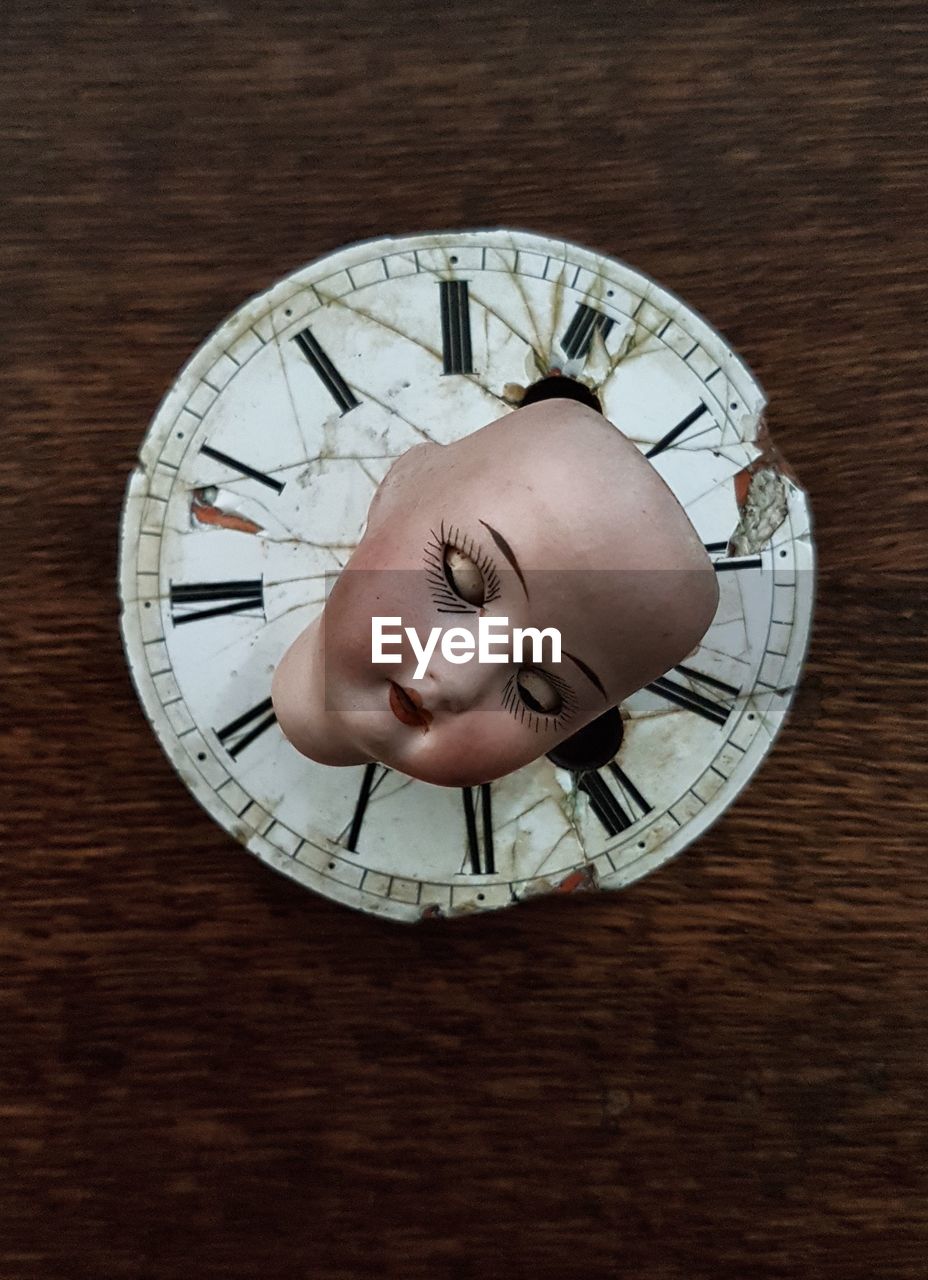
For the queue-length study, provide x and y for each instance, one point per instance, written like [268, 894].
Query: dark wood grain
[206, 1071]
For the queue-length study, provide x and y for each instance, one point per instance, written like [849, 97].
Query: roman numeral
[748, 562]
[242, 467]
[482, 862]
[666, 441]
[241, 732]
[369, 783]
[730, 562]
[616, 812]
[715, 709]
[222, 597]
[455, 327]
[332, 380]
[579, 336]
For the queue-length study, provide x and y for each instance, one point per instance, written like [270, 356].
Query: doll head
[548, 517]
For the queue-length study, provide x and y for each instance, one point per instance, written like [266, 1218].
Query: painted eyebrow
[510, 556]
[507, 552]
[587, 671]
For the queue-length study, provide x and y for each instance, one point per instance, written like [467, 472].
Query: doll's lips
[407, 706]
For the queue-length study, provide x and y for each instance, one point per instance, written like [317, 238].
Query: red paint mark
[769, 457]
[203, 513]
[742, 485]
[577, 881]
[432, 912]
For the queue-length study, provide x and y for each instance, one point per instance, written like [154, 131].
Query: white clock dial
[252, 489]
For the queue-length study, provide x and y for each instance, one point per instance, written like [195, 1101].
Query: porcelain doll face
[548, 517]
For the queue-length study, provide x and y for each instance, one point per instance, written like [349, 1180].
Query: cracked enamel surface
[276, 532]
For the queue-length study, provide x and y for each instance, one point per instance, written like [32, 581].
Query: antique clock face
[252, 489]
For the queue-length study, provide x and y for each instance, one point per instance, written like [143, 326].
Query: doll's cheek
[466, 750]
[359, 597]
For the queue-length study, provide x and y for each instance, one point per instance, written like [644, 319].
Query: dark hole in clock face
[592, 746]
[556, 387]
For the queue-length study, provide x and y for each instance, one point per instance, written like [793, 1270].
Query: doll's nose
[456, 687]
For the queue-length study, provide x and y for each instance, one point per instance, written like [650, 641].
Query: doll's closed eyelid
[514, 702]
[448, 596]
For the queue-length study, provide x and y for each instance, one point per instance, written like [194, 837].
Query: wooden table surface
[208, 1071]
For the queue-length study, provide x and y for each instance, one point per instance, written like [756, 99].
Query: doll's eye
[539, 700]
[538, 693]
[463, 576]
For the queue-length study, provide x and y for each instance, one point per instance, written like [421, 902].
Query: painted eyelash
[539, 720]
[446, 599]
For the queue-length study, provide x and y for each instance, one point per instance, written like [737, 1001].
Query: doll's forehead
[551, 477]
[531, 521]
